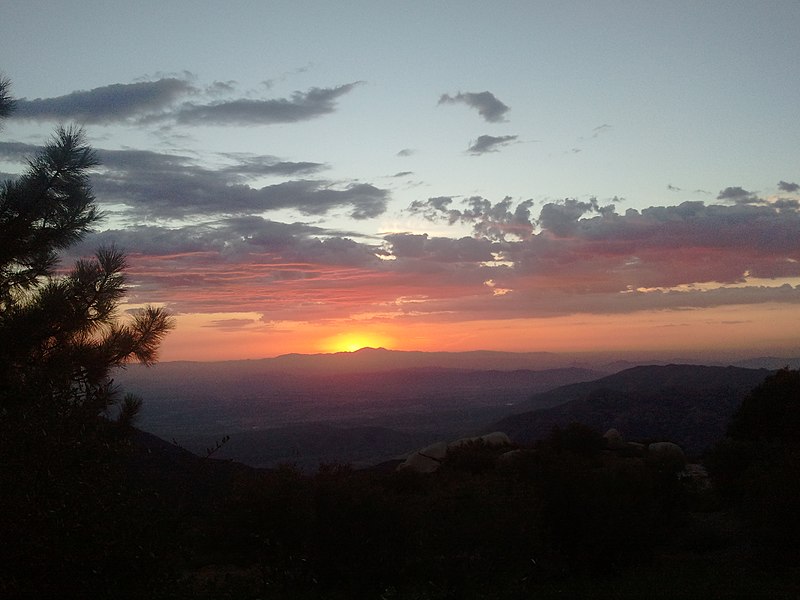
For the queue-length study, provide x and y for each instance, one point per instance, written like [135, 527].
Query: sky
[523, 176]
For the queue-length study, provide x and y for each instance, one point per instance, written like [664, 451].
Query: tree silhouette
[60, 339]
[757, 467]
[771, 412]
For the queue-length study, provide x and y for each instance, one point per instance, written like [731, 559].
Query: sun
[351, 341]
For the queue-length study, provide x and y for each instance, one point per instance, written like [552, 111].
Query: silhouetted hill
[769, 362]
[687, 404]
[380, 359]
[176, 472]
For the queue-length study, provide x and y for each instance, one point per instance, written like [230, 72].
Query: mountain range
[686, 404]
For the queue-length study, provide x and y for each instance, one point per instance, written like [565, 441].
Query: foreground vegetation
[565, 518]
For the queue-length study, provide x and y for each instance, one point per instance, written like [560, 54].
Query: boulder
[427, 460]
[614, 440]
[666, 455]
[430, 458]
[496, 438]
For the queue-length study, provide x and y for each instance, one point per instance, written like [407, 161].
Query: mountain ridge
[686, 404]
[379, 359]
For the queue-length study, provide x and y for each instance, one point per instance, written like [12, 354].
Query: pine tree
[60, 340]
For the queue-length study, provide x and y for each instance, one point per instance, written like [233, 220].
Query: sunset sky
[525, 176]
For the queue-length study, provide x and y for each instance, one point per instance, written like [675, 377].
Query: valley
[309, 410]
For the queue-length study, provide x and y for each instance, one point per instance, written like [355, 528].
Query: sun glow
[355, 340]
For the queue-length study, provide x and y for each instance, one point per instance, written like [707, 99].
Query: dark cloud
[496, 221]
[600, 129]
[319, 197]
[785, 186]
[403, 174]
[405, 152]
[248, 165]
[493, 221]
[673, 188]
[586, 241]
[107, 104]
[786, 204]
[436, 209]
[17, 151]
[230, 239]
[302, 106]
[160, 101]
[574, 257]
[439, 249]
[219, 88]
[490, 143]
[666, 246]
[588, 259]
[561, 218]
[158, 185]
[487, 105]
[233, 264]
[739, 196]
[231, 324]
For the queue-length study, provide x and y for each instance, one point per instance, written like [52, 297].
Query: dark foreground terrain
[570, 515]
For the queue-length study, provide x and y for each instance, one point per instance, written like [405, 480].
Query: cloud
[586, 241]
[492, 221]
[439, 249]
[562, 218]
[220, 88]
[301, 106]
[245, 264]
[587, 258]
[575, 256]
[487, 105]
[739, 196]
[788, 187]
[601, 129]
[490, 143]
[174, 189]
[157, 185]
[165, 100]
[786, 203]
[405, 152]
[436, 209]
[665, 246]
[250, 165]
[108, 104]
[231, 324]
[17, 151]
